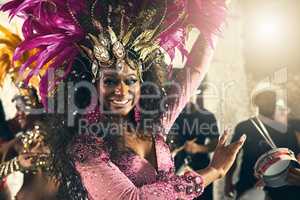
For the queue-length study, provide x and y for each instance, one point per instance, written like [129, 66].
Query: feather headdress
[108, 31]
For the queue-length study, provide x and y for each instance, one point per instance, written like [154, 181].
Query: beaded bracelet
[195, 184]
[9, 167]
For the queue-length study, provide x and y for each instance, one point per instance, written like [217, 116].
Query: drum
[272, 167]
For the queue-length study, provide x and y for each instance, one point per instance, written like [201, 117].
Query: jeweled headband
[132, 45]
[107, 31]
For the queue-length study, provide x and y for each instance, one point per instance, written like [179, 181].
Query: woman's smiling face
[119, 90]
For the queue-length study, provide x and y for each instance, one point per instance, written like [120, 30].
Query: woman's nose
[121, 89]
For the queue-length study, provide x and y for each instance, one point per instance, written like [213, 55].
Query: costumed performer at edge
[123, 46]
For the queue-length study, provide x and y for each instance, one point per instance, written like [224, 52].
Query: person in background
[294, 174]
[196, 134]
[13, 184]
[5, 133]
[23, 121]
[255, 146]
[5, 136]
[294, 125]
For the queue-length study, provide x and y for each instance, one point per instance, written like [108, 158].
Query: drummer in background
[194, 136]
[294, 177]
[270, 112]
[294, 174]
[294, 125]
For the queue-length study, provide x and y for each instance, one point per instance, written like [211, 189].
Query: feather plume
[50, 29]
[206, 15]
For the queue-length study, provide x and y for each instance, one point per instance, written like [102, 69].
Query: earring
[137, 114]
[93, 116]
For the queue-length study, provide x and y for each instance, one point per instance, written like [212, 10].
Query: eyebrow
[114, 74]
[110, 75]
[131, 75]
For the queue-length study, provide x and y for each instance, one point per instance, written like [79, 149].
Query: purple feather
[206, 15]
[46, 84]
[49, 28]
[29, 61]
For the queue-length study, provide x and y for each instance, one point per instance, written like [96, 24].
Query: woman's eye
[110, 82]
[130, 81]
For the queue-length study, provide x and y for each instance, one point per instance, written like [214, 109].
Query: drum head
[277, 168]
[273, 166]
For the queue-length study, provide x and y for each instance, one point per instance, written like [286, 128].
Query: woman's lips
[120, 102]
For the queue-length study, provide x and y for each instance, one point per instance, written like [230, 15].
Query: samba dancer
[26, 149]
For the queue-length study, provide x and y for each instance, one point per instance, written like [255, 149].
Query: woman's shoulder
[85, 148]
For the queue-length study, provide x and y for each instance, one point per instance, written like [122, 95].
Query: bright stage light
[269, 29]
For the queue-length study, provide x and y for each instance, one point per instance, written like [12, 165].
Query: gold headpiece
[135, 44]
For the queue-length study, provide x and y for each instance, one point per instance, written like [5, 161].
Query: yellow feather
[8, 43]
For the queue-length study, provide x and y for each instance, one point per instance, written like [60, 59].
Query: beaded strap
[9, 167]
[41, 161]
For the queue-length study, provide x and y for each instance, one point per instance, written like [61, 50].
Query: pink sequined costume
[131, 176]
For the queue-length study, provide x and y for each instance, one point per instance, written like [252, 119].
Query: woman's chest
[142, 162]
[144, 148]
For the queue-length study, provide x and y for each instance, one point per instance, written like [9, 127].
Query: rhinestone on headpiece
[118, 50]
[134, 43]
[101, 54]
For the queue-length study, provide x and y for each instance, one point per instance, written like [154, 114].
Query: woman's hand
[26, 160]
[39, 151]
[225, 155]
[33, 160]
[222, 160]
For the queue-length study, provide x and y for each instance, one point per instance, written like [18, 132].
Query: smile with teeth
[120, 102]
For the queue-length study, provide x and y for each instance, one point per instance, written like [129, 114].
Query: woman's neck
[119, 119]
[115, 117]
[126, 122]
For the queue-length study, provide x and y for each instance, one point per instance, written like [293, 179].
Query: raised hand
[37, 155]
[32, 161]
[225, 155]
